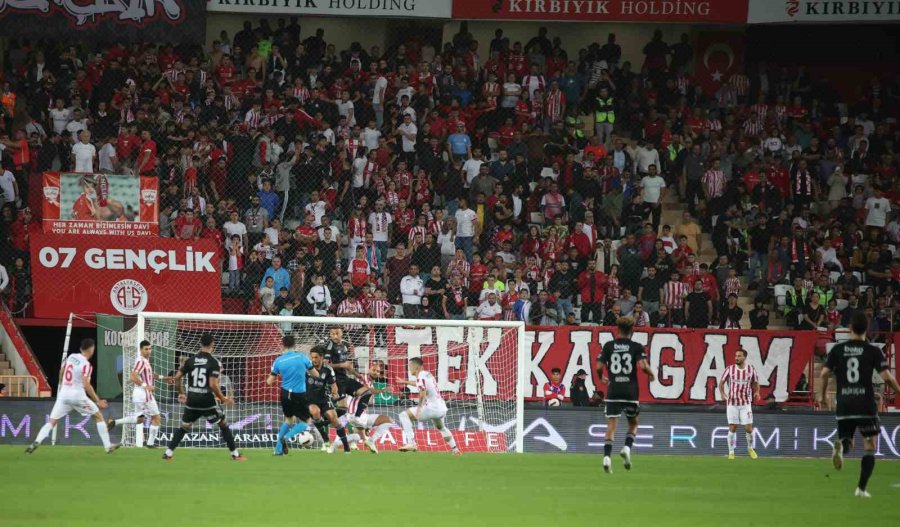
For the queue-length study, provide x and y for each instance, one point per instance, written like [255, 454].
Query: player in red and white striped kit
[743, 389]
[142, 396]
[369, 427]
[76, 394]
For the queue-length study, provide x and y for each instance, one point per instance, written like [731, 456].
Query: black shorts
[348, 386]
[212, 415]
[294, 405]
[615, 409]
[323, 404]
[867, 426]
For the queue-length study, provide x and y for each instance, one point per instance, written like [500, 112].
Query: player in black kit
[622, 357]
[338, 353]
[203, 392]
[853, 363]
[320, 393]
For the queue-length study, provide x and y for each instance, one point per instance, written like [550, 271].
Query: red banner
[694, 11]
[688, 362]
[123, 275]
[75, 203]
[718, 56]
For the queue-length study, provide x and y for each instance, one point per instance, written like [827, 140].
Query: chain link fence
[561, 191]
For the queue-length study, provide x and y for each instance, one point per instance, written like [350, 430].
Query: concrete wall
[574, 35]
[341, 31]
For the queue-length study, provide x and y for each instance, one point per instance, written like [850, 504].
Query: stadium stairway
[673, 208]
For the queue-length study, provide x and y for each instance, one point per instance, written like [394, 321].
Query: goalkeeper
[293, 367]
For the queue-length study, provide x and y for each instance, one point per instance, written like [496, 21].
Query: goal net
[479, 366]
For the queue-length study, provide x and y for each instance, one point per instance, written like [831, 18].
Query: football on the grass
[305, 439]
[553, 402]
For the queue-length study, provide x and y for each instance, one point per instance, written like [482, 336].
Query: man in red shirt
[477, 273]
[21, 230]
[146, 163]
[187, 227]
[127, 145]
[307, 233]
[359, 269]
[227, 71]
[580, 241]
[592, 285]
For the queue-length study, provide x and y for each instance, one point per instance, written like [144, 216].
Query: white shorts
[366, 420]
[739, 415]
[68, 403]
[144, 403]
[428, 413]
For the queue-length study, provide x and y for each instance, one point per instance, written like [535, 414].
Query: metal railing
[20, 385]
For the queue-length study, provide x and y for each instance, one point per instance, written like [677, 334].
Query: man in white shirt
[9, 189]
[84, 153]
[878, 207]
[644, 156]
[408, 132]
[108, 162]
[378, 99]
[327, 226]
[654, 191]
[380, 222]
[466, 228]
[472, 166]
[77, 124]
[316, 207]
[234, 226]
[370, 134]
[411, 291]
[60, 116]
[489, 309]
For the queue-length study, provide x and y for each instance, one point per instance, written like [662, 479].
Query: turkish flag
[719, 55]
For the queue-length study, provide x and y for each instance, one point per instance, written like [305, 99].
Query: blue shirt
[292, 366]
[281, 277]
[269, 201]
[459, 143]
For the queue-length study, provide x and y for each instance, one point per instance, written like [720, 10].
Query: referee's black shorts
[294, 405]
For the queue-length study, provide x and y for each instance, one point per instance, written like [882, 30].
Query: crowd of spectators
[500, 180]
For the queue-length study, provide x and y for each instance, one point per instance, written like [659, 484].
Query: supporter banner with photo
[805, 11]
[123, 275]
[688, 362]
[694, 11]
[101, 21]
[718, 55]
[76, 203]
[357, 8]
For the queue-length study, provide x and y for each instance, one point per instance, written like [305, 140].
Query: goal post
[479, 366]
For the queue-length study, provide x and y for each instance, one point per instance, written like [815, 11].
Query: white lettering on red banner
[702, 11]
[123, 275]
[367, 8]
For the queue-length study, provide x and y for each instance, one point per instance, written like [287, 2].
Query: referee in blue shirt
[292, 366]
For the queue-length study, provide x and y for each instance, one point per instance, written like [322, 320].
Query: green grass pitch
[82, 486]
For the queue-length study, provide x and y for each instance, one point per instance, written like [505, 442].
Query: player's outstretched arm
[89, 390]
[176, 380]
[890, 380]
[217, 391]
[824, 378]
[271, 379]
[647, 369]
